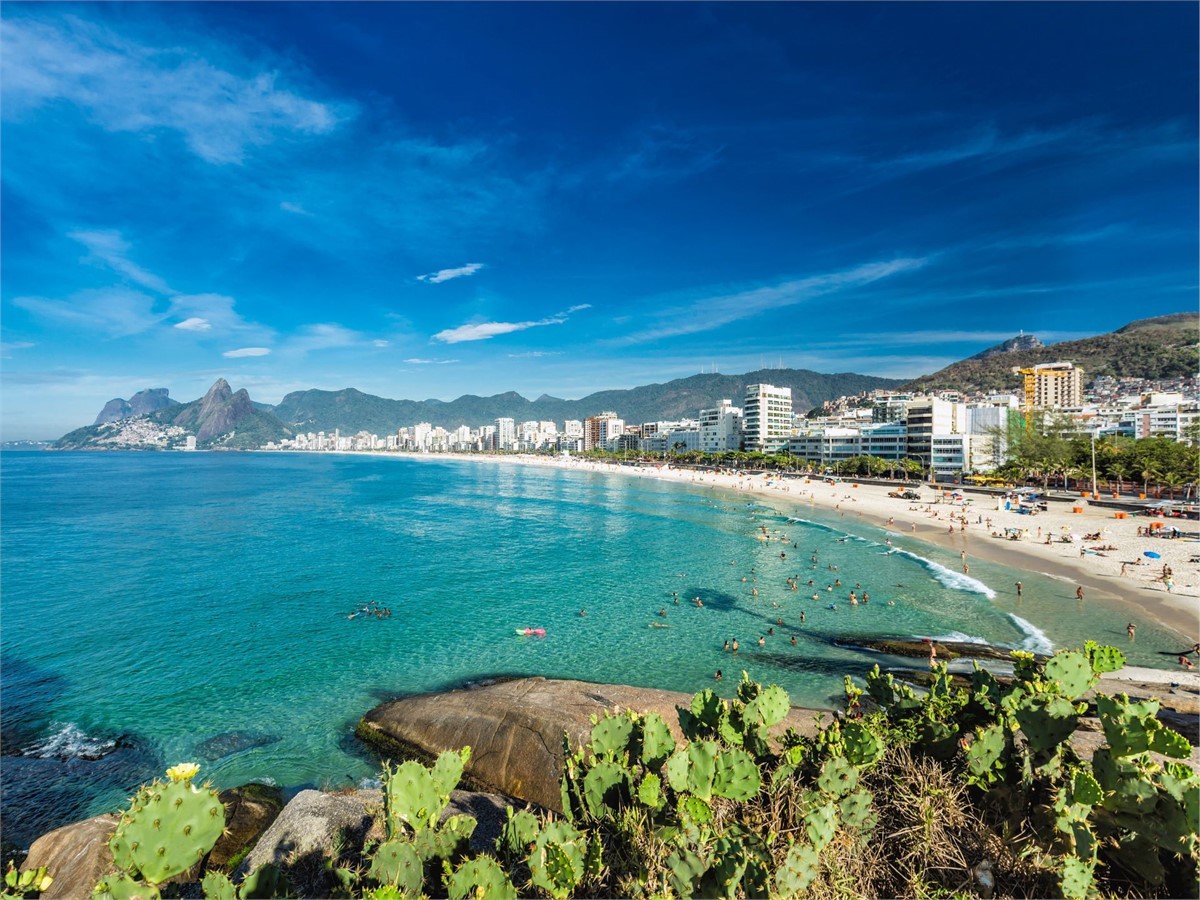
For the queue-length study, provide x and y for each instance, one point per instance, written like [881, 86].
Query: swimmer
[801, 617]
[717, 675]
[726, 647]
[583, 612]
[837, 582]
[735, 645]
[815, 596]
[662, 612]
[793, 640]
[771, 630]
[762, 641]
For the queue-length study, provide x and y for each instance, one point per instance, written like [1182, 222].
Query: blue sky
[431, 200]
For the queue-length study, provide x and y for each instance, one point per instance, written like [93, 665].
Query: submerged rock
[946, 650]
[227, 743]
[515, 728]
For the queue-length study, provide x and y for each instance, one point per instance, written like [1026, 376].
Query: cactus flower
[183, 772]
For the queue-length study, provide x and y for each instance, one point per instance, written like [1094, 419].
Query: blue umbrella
[1152, 554]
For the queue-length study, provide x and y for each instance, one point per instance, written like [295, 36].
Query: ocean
[168, 607]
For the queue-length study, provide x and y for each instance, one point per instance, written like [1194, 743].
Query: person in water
[735, 645]
[717, 676]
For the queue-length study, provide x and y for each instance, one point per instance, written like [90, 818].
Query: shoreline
[1137, 593]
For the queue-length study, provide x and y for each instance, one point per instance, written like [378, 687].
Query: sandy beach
[1141, 588]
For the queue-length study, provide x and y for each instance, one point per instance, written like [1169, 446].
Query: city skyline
[436, 200]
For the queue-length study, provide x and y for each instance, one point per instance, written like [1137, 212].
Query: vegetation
[1164, 347]
[962, 790]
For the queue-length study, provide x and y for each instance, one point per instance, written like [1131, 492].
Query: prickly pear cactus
[769, 707]
[735, 775]
[120, 886]
[604, 787]
[649, 792]
[837, 777]
[557, 862]
[168, 829]
[396, 862]
[1071, 672]
[686, 868]
[984, 755]
[702, 761]
[411, 797]
[518, 833]
[480, 879]
[1046, 720]
[1103, 659]
[263, 883]
[217, 886]
[1075, 877]
[820, 823]
[861, 746]
[448, 770]
[611, 736]
[857, 812]
[729, 861]
[657, 743]
[800, 868]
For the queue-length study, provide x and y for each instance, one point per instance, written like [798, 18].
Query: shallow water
[170, 599]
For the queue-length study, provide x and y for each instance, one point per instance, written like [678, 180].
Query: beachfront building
[1057, 385]
[949, 455]
[720, 428]
[889, 407]
[927, 416]
[767, 417]
[599, 430]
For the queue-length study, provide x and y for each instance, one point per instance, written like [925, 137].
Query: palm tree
[1150, 471]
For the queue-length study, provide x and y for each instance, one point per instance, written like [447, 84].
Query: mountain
[351, 410]
[1021, 342]
[1162, 347]
[221, 418]
[140, 404]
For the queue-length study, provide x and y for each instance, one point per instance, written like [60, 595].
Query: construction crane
[1031, 374]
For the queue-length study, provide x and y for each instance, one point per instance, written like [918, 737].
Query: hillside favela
[493, 450]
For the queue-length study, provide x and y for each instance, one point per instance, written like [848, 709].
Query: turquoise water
[152, 602]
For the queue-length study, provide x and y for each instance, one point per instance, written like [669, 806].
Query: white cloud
[535, 354]
[379, 343]
[295, 208]
[449, 274]
[482, 331]
[195, 323]
[117, 312]
[247, 351]
[128, 86]
[216, 312]
[323, 336]
[712, 312]
[6, 346]
[110, 249]
[430, 362]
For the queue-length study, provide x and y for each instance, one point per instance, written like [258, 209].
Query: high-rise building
[721, 428]
[598, 430]
[767, 417]
[1057, 385]
[506, 434]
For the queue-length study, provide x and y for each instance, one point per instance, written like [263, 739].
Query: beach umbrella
[1152, 554]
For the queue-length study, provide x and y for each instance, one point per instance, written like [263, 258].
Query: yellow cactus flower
[183, 772]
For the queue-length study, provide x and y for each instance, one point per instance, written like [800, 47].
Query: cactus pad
[518, 833]
[121, 887]
[480, 879]
[168, 829]
[857, 812]
[447, 771]
[799, 870]
[862, 748]
[702, 757]
[1071, 672]
[837, 777]
[602, 786]
[686, 867]
[1046, 720]
[396, 862]
[1075, 877]
[769, 708]
[657, 743]
[735, 775]
[984, 753]
[411, 796]
[650, 791]
[1103, 659]
[611, 736]
[820, 823]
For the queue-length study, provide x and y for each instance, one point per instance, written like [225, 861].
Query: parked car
[904, 494]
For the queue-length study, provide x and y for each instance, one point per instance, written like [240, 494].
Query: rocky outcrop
[76, 855]
[515, 728]
[140, 404]
[249, 811]
[946, 650]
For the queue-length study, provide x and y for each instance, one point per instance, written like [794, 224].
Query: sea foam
[1035, 640]
[956, 581]
[69, 741]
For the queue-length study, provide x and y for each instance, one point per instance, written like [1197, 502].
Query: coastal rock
[515, 728]
[306, 830]
[946, 650]
[227, 743]
[249, 810]
[77, 855]
[140, 404]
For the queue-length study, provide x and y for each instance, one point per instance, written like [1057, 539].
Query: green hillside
[1163, 347]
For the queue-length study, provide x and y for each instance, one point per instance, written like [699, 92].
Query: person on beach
[1131, 630]
[1018, 589]
[1079, 592]
[1186, 663]
[932, 655]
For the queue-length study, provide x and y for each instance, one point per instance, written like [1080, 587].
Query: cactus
[769, 707]
[448, 770]
[704, 717]
[729, 862]
[119, 886]
[217, 886]
[611, 736]
[837, 777]
[650, 791]
[676, 770]
[695, 810]
[701, 757]
[263, 883]
[862, 748]
[820, 823]
[1075, 877]
[168, 829]
[26, 881]
[446, 842]
[603, 786]
[1103, 659]
[396, 862]
[984, 753]
[557, 862]
[657, 743]
[735, 775]
[480, 879]
[518, 833]
[800, 868]
[686, 867]
[411, 797]
[857, 812]
[1072, 672]
[1046, 720]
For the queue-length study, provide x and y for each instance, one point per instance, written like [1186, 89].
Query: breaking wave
[956, 581]
[1035, 640]
[70, 741]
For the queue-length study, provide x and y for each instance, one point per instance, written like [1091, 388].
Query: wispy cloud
[450, 274]
[195, 323]
[324, 336]
[535, 354]
[116, 312]
[429, 362]
[707, 313]
[664, 153]
[124, 85]
[247, 351]
[109, 248]
[213, 312]
[294, 208]
[482, 331]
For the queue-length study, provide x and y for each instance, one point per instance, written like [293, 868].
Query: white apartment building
[927, 416]
[506, 435]
[599, 430]
[573, 428]
[721, 428]
[767, 417]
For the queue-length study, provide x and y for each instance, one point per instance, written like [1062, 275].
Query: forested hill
[1163, 347]
[351, 410]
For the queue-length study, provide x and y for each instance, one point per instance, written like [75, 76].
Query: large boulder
[515, 728]
[249, 810]
[77, 856]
